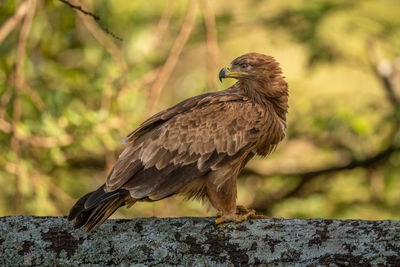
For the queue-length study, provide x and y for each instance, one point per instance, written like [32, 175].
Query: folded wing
[186, 142]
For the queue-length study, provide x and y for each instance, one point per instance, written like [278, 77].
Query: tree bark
[44, 241]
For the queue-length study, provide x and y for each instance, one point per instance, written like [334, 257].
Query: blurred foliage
[70, 93]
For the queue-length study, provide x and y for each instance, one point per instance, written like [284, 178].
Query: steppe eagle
[197, 147]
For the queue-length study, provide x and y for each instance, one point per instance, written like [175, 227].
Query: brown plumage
[197, 147]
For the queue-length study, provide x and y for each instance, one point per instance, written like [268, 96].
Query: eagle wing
[185, 142]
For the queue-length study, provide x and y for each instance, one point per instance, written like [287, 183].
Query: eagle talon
[235, 217]
[251, 213]
[243, 210]
[219, 220]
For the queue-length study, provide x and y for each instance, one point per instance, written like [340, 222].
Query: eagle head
[250, 66]
[259, 70]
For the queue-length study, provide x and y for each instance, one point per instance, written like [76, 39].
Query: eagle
[198, 147]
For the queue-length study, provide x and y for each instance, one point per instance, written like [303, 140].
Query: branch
[176, 50]
[162, 25]
[19, 81]
[5, 126]
[51, 241]
[35, 97]
[211, 44]
[95, 17]
[383, 70]
[144, 79]
[19, 78]
[11, 22]
[263, 205]
[5, 97]
[368, 162]
[99, 35]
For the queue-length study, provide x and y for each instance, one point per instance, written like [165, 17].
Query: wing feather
[185, 142]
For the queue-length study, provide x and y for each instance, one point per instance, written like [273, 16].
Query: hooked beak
[223, 74]
[228, 73]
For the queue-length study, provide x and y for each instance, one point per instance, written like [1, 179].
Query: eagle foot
[234, 217]
[243, 210]
[253, 215]
[242, 213]
[239, 210]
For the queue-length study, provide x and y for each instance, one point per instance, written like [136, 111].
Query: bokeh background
[72, 86]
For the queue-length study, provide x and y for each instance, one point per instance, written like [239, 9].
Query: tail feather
[102, 212]
[78, 207]
[95, 207]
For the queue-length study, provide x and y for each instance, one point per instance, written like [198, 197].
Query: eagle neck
[262, 95]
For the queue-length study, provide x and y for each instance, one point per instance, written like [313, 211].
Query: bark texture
[44, 241]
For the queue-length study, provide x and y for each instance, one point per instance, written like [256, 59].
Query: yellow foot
[234, 217]
[240, 215]
[243, 210]
[253, 215]
[239, 210]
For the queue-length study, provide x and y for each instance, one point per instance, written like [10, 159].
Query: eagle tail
[95, 207]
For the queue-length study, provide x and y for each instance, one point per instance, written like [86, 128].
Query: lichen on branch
[44, 241]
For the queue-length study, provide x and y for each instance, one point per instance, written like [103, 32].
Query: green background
[70, 92]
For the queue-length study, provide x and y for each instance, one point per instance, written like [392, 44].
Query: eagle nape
[198, 147]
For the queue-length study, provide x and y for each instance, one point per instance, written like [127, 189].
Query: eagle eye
[244, 65]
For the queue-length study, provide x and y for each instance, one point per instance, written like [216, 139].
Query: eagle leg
[222, 196]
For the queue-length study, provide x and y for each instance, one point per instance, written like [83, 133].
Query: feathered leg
[223, 198]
